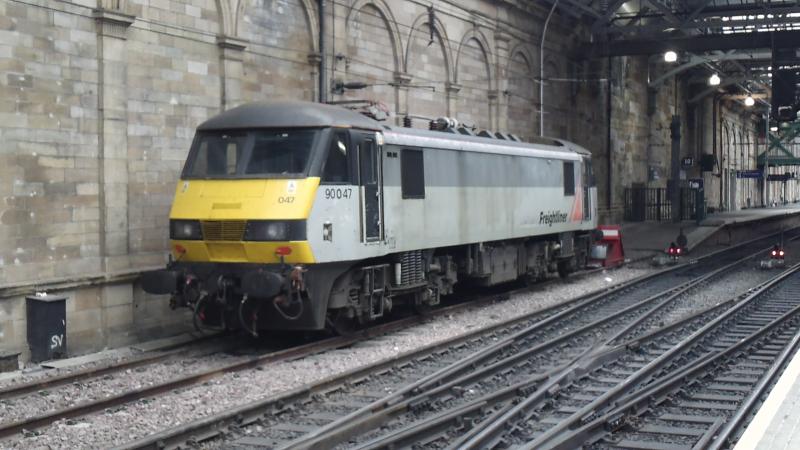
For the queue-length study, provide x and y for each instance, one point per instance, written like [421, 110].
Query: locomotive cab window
[412, 173]
[218, 155]
[569, 178]
[335, 169]
[250, 154]
[281, 152]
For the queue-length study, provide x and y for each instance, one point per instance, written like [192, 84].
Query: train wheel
[423, 309]
[342, 325]
[564, 268]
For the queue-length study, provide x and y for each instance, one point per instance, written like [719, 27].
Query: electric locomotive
[298, 215]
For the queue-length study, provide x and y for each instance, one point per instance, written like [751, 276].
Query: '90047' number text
[338, 193]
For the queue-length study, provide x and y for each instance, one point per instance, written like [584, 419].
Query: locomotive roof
[556, 148]
[288, 114]
[302, 114]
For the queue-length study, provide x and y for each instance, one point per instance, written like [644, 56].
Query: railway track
[76, 376]
[17, 393]
[537, 371]
[704, 400]
[338, 410]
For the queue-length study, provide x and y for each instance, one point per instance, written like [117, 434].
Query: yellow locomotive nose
[242, 221]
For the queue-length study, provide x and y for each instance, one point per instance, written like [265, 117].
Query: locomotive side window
[368, 162]
[412, 173]
[569, 178]
[335, 168]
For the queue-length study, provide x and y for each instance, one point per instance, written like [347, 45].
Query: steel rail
[440, 383]
[550, 384]
[763, 387]
[466, 416]
[281, 355]
[208, 427]
[9, 429]
[240, 415]
[410, 435]
[575, 430]
[375, 413]
[16, 390]
[480, 435]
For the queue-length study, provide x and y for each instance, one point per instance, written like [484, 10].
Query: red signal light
[774, 253]
[781, 253]
[678, 250]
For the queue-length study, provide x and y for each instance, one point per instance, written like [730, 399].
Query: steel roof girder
[695, 44]
[696, 60]
[606, 17]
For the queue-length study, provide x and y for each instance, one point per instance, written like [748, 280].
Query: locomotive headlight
[185, 230]
[275, 230]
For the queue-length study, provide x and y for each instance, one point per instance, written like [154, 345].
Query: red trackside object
[612, 240]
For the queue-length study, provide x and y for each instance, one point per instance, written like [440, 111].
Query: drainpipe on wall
[608, 135]
[323, 74]
[715, 125]
[675, 173]
[765, 175]
[541, 69]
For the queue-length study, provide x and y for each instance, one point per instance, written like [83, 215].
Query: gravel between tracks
[81, 392]
[113, 427]
[735, 283]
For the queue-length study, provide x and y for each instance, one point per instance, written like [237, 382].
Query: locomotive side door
[587, 181]
[370, 182]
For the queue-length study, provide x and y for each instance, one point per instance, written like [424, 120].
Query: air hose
[284, 314]
[252, 330]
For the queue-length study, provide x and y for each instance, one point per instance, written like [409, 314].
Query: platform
[644, 239]
[777, 423]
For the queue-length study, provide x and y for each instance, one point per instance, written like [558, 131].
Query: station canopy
[753, 46]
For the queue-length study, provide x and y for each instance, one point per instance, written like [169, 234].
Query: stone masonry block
[84, 320]
[87, 188]
[119, 316]
[85, 213]
[12, 308]
[86, 299]
[116, 171]
[117, 295]
[47, 161]
[117, 243]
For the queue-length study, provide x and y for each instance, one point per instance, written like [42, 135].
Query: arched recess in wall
[374, 51]
[475, 76]
[737, 162]
[281, 35]
[726, 164]
[172, 86]
[228, 10]
[744, 164]
[522, 94]
[743, 147]
[555, 100]
[734, 151]
[726, 144]
[432, 66]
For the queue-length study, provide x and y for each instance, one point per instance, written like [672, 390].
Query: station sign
[749, 174]
[779, 176]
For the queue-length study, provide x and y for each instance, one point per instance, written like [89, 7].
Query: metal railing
[643, 204]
